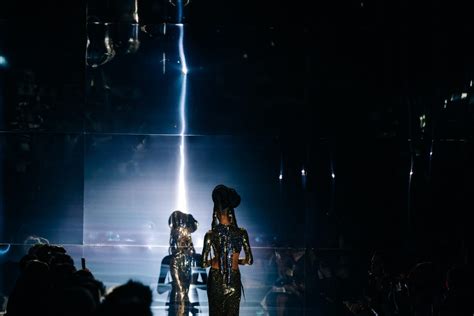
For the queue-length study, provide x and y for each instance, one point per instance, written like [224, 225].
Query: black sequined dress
[224, 284]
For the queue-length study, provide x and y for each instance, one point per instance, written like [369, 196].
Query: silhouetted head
[36, 270]
[75, 301]
[180, 219]
[85, 279]
[131, 298]
[225, 200]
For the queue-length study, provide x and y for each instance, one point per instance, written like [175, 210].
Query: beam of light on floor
[182, 199]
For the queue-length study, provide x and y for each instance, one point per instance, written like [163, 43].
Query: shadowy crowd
[310, 283]
[307, 283]
[49, 284]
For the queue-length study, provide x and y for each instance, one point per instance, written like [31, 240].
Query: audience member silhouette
[459, 297]
[49, 284]
[131, 298]
[424, 288]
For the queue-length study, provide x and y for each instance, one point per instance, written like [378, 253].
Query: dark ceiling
[333, 68]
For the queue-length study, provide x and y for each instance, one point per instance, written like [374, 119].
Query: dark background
[367, 90]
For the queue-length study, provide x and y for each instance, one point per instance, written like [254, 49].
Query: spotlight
[455, 97]
[3, 61]
[184, 69]
[303, 177]
[280, 177]
[422, 121]
[333, 175]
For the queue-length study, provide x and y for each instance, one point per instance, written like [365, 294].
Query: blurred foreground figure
[131, 298]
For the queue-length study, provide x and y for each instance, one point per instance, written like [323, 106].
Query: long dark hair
[224, 198]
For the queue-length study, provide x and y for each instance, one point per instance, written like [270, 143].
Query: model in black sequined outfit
[225, 240]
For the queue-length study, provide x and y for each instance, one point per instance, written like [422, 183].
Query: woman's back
[226, 242]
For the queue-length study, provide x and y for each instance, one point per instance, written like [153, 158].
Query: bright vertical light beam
[182, 57]
[182, 199]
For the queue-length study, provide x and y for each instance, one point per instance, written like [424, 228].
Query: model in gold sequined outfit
[225, 240]
[182, 259]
